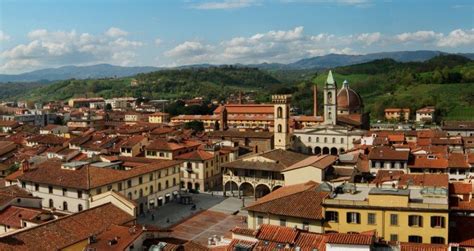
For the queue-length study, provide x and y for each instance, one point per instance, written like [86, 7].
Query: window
[98, 190]
[394, 219]
[51, 203]
[50, 189]
[109, 188]
[283, 222]
[151, 176]
[279, 128]
[333, 140]
[394, 237]
[140, 180]
[79, 207]
[415, 239]
[332, 216]
[65, 206]
[259, 220]
[437, 221]
[342, 140]
[129, 183]
[415, 221]
[280, 112]
[79, 194]
[119, 186]
[151, 189]
[309, 139]
[129, 195]
[23, 184]
[353, 217]
[305, 225]
[371, 219]
[36, 187]
[325, 140]
[159, 186]
[437, 240]
[174, 181]
[167, 184]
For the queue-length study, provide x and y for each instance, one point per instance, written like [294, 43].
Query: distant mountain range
[77, 72]
[320, 62]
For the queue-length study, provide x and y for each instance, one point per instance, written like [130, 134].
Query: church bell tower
[281, 130]
[330, 100]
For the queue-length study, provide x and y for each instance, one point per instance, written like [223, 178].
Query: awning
[168, 195]
[152, 201]
[160, 198]
[175, 192]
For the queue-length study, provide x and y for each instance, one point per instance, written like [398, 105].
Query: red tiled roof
[350, 239]
[423, 247]
[196, 155]
[66, 231]
[430, 161]
[305, 200]
[387, 153]
[87, 177]
[460, 188]
[277, 233]
[12, 216]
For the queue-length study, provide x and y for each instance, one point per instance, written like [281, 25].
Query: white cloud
[225, 5]
[457, 38]
[115, 32]
[4, 36]
[56, 48]
[188, 49]
[369, 38]
[419, 36]
[273, 46]
[158, 41]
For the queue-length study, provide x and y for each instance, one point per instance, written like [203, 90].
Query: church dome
[348, 99]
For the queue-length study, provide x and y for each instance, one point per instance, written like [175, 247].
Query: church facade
[343, 120]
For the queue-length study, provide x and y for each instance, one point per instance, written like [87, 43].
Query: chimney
[25, 166]
[315, 100]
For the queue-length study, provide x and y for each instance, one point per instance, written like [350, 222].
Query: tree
[196, 126]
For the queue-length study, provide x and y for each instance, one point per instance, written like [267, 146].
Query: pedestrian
[152, 217]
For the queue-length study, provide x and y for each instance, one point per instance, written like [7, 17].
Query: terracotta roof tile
[350, 239]
[63, 232]
[305, 200]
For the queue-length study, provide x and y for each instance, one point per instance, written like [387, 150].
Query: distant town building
[425, 114]
[397, 114]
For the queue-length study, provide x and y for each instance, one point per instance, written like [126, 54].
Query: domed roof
[348, 98]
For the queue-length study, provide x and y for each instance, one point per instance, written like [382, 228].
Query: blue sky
[40, 34]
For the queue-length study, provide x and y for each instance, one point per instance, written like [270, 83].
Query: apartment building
[409, 214]
[71, 187]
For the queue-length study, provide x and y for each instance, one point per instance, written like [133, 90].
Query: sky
[37, 34]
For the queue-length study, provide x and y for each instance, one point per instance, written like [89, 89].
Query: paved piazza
[214, 215]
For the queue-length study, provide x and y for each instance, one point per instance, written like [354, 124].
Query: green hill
[213, 82]
[446, 81]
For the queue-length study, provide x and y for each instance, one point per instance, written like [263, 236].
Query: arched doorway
[309, 150]
[325, 150]
[231, 187]
[190, 185]
[341, 150]
[141, 210]
[246, 189]
[317, 150]
[261, 190]
[275, 188]
[197, 186]
[333, 151]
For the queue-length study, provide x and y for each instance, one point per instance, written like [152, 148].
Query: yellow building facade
[391, 214]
